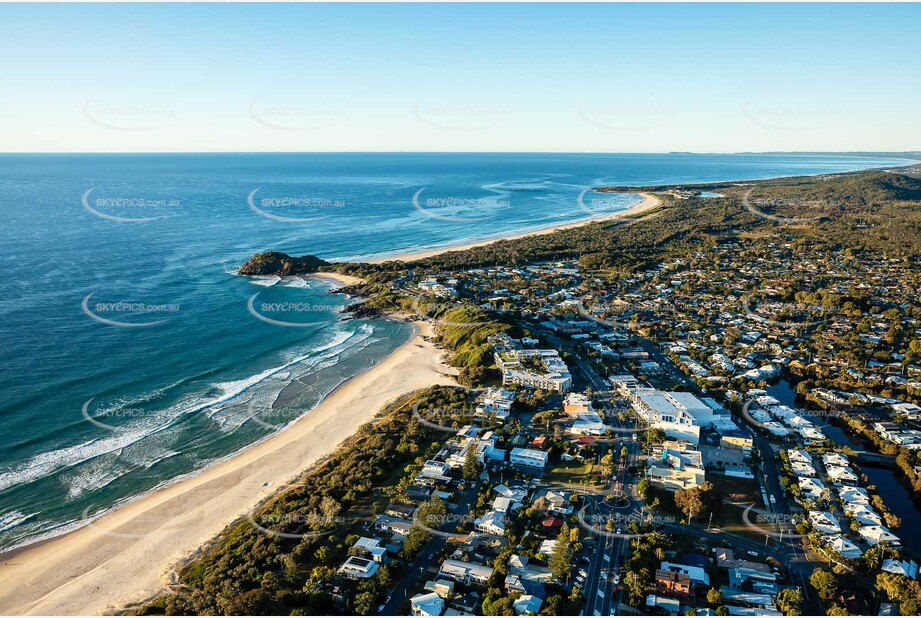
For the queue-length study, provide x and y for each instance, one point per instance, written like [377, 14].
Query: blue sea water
[130, 351]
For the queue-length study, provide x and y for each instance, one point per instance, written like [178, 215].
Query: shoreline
[648, 203]
[127, 556]
[343, 280]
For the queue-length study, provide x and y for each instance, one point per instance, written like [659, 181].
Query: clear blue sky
[425, 77]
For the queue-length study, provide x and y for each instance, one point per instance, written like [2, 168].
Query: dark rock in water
[282, 264]
[363, 310]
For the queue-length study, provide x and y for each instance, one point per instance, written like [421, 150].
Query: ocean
[133, 355]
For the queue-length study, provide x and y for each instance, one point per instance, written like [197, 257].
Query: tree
[825, 583]
[698, 502]
[561, 559]
[364, 603]
[501, 606]
[642, 488]
[555, 606]
[905, 591]
[722, 610]
[714, 596]
[790, 601]
[637, 585]
[607, 464]
[415, 540]
[433, 512]
[472, 466]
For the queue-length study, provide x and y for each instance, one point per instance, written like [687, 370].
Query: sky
[460, 77]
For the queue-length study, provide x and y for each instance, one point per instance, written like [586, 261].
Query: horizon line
[565, 152]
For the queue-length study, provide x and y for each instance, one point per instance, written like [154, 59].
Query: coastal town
[708, 436]
[460, 309]
[732, 428]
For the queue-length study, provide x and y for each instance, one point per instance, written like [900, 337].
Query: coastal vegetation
[862, 212]
[857, 216]
[281, 264]
[464, 331]
[277, 560]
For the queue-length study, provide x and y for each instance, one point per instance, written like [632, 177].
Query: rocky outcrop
[282, 264]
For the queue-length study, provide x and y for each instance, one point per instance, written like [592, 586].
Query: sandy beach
[649, 202]
[128, 555]
[342, 280]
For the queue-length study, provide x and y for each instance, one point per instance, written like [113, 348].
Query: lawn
[574, 473]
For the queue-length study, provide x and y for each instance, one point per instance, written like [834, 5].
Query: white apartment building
[554, 377]
[528, 457]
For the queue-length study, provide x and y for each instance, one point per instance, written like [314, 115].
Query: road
[787, 550]
[601, 593]
[416, 574]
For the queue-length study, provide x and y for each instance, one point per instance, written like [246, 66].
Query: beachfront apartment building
[455, 452]
[495, 403]
[543, 369]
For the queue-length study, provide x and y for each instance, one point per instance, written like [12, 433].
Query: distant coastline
[54, 561]
[647, 203]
